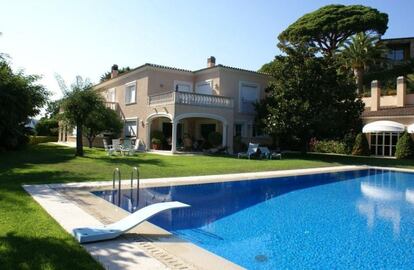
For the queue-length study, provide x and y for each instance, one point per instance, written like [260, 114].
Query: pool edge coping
[49, 198]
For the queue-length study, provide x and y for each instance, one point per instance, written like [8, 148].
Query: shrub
[329, 146]
[239, 145]
[215, 138]
[404, 148]
[349, 140]
[47, 127]
[156, 141]
[158, 135]
[361, 146]
[33, 140]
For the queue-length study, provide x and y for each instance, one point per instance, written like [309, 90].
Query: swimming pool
[355, 219]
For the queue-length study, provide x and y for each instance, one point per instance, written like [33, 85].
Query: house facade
[184, 106]
[386, 116]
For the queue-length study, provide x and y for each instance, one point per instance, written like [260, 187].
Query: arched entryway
[191, 132]
[159, 131]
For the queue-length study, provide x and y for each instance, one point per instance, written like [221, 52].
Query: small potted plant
[156, 143]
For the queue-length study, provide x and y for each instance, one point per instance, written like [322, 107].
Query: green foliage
[77, 105]
[329, 26]
[156, 141]
[102, 120]
[107, 75]
[158, 135]
[33, 140]
[308, 98]
[387, 76]
[53, 107]
[359, 52]
[361, 146]
[47, 127]
[330, 146]
[215, 138]
[20, 98]
[405, 147]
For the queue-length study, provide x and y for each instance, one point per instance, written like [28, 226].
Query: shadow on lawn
[17, 252]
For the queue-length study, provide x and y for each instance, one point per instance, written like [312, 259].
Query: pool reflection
[210, 202]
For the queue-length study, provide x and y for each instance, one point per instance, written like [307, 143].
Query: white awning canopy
[410, 128]
[383, 126]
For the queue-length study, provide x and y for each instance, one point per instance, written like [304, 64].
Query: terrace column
[148, 139]
[375, 95]
[224, 138]
[401, 91]
[174, 137]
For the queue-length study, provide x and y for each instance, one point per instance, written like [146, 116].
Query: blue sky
[86, 37]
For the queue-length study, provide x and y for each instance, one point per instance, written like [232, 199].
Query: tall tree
[77, 105]
[308, 98]
[331, 25]
[359, 52]
[102, 119]
[21, 97]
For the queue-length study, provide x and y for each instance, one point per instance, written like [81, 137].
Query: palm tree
[360, 51]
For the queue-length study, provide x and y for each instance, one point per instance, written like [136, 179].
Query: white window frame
[108, 94]
[241, 83]
[127, 97]
[132, 119]
[176, 82]
[210, 82]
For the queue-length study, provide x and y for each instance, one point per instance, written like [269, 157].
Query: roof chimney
[114, 71]
[211, 61]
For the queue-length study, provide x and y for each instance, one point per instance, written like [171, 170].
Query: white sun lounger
[85, 235]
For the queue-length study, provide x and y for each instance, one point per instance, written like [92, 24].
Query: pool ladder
[117, 174]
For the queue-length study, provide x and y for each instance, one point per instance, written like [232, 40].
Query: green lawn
[31, 239]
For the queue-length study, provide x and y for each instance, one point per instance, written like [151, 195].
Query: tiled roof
[184, 70]
[389, 111]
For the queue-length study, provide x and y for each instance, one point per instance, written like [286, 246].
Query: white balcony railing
[191, 99]
[112, 105]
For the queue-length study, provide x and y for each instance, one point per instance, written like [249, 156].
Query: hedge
[33, 140]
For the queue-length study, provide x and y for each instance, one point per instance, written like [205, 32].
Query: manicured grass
[31, 239]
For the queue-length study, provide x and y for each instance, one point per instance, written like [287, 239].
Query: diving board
[85, 235]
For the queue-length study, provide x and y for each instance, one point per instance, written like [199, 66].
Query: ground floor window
[238, 130]
[130, 128]
[383, 143]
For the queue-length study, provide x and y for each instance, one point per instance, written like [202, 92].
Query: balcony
[190, 99]
[112, 105]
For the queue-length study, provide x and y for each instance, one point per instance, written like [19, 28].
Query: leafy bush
[157, 135]
[329, 146]
[47, 127]
[361, 146]
[215, 138]
[156, 141]
[33, 140]
[239, 145]
[349, 140]
[405, 147]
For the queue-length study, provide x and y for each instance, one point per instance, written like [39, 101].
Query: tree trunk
[90, 140]
[79, 142]
[359, 79]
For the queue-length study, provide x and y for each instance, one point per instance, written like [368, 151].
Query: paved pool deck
[146, 246]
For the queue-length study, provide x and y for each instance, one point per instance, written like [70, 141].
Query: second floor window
[249, 94]
[180, 86]
[396, 54]
[130, 93]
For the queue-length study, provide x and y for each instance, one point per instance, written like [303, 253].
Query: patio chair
[116, 144]
[108, 148]
[126, 147]
[251, 151]
[266, 153]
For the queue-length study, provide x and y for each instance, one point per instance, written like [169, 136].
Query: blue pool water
[348, 220]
